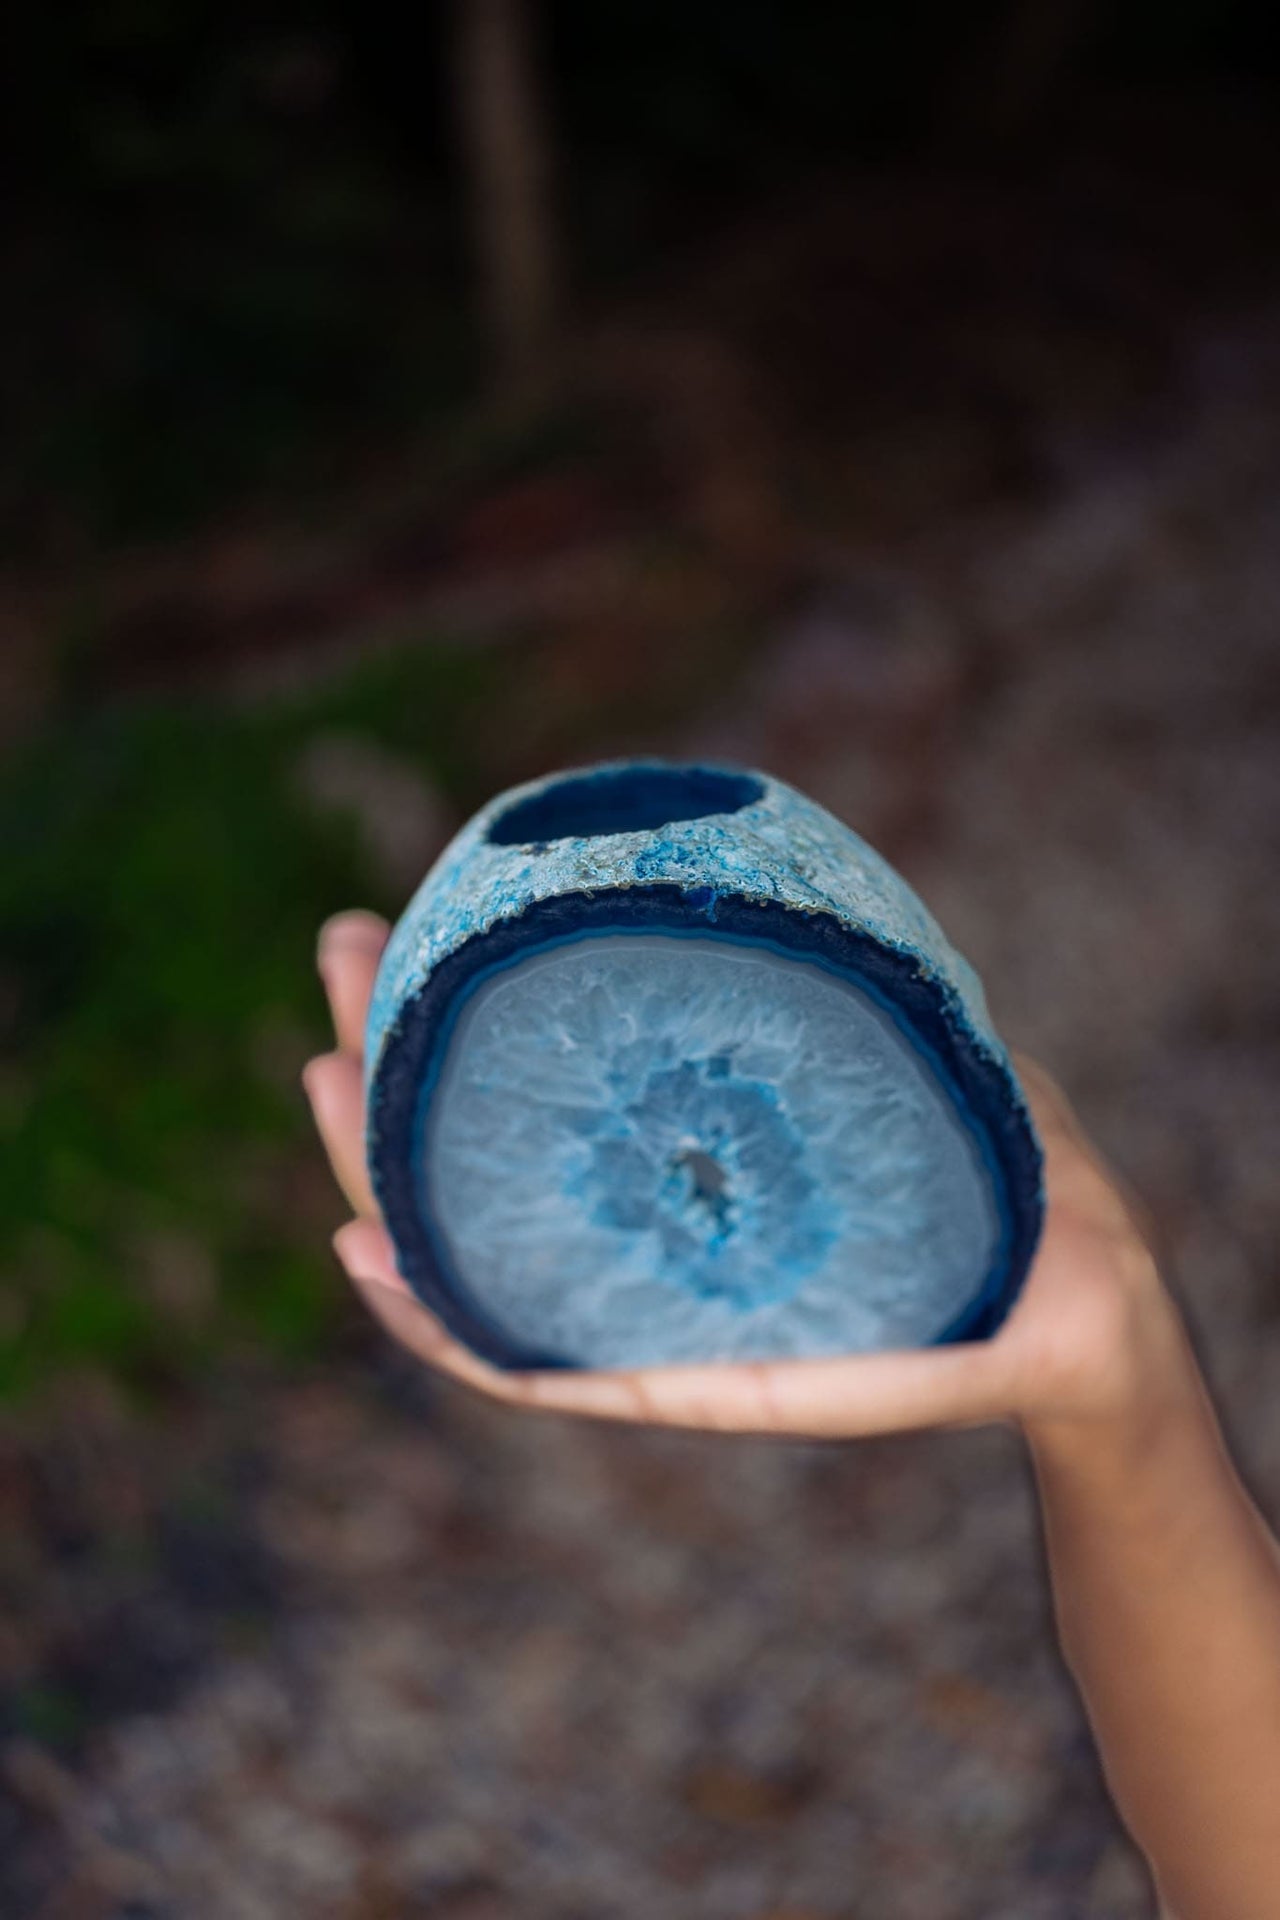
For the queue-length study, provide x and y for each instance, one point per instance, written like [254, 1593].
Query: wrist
[1158, 1392]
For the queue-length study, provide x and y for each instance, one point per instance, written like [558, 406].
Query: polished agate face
[649, 1148]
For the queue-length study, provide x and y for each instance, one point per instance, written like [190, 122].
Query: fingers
[349, 949]
[347, 955]
[819, 1399]
[334, 1085]
[365, 1250]
[964, 1385]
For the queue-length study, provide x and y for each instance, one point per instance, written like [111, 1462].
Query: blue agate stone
[665, 1064]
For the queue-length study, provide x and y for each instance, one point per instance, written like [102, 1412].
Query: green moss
[161, 882]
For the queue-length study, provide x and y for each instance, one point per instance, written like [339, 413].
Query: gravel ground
[409, 1654]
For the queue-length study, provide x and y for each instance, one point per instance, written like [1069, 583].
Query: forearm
[1167, 1593]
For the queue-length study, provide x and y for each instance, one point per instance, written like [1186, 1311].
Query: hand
[1093, 1334]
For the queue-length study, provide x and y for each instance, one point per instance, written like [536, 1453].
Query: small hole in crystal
[623, 800]
[707, 1185]
[706, 1175]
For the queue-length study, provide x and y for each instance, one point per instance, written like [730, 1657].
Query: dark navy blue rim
[925, 1009]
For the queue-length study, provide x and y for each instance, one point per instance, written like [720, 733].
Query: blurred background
[401, 405]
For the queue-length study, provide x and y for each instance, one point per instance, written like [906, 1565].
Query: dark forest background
[244, 238]
[401, 404]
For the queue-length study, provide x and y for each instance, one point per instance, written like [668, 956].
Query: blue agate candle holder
[665, 1064]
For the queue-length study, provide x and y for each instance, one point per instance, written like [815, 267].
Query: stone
[666, 1064]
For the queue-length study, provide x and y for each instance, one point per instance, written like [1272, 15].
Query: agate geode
[665, 1064]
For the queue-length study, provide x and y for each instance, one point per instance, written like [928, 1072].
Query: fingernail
[389, 1282]
[329, 937]
[349, 1244]
[352, 928]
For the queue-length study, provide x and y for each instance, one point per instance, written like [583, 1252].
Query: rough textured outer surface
[782, 851]
[785, 848]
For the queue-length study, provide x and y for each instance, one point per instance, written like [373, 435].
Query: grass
[160, 889]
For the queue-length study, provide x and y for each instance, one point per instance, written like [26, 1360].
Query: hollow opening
[706, 1185]
[706, 1176]
[623, 800]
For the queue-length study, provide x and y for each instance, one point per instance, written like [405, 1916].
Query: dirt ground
[402, 1653]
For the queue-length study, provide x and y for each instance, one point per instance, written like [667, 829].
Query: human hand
[1092, 1336]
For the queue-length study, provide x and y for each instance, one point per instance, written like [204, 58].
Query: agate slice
[665, 1064]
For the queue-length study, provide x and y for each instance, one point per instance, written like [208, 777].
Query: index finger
[347, 955]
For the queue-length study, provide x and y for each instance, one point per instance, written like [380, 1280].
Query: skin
[1166, 1579]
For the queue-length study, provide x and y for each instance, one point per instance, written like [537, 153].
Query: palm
[1062, 1351]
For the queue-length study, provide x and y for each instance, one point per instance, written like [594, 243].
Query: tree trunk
[507, 148]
